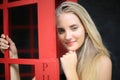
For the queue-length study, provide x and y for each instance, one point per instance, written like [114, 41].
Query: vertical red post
[46, 29]
[6, 32]
[48, 66]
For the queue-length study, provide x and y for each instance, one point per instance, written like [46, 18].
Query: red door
[46, 65]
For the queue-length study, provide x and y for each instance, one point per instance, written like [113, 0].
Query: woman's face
[70, 31]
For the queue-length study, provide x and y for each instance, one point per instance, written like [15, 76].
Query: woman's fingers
[2, 36]
[3, 46]
[10, 41]
[69, 62]
[3, 43]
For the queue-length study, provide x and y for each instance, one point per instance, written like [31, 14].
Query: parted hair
[92, 48]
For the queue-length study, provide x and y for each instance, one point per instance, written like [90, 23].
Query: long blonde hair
[93, 46]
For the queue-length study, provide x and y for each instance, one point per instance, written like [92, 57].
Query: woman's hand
[7, 43]
[69, 63]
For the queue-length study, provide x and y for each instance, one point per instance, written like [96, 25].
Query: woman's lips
[70, 43]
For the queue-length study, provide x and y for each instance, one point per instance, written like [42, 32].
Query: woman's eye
[74, 28]
[60, 30]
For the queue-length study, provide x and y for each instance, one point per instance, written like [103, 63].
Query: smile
[70, 43]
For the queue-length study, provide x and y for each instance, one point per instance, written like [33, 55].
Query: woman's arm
[14, 72]
[5, 43]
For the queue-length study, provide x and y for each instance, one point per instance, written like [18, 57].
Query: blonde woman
[87, 58]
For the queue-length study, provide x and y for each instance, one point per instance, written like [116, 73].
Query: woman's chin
[71, 49]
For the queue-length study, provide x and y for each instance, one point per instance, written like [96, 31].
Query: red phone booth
[46, 65]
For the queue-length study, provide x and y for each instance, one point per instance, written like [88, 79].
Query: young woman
[87, 58]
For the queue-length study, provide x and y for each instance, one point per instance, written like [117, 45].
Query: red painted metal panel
[6, 32]
[47, 42]
[47, 69]
[19, 61]
[46, 27]
[21, 3]
[47, 66]
[18, 3]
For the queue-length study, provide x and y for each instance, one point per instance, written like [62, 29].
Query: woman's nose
[68, 35]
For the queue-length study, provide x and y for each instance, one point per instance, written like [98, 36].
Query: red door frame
[46, 40]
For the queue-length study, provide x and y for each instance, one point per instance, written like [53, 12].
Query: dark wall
[106, 15]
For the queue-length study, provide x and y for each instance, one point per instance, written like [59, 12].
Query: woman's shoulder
[105, 68]
[105, 60]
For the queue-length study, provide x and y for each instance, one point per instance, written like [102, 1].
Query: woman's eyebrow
[72, 25]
